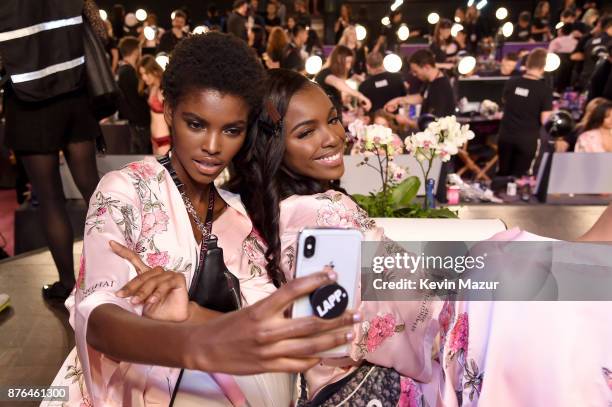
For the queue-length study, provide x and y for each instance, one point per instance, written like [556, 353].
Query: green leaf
[405, 192]
[361, 199]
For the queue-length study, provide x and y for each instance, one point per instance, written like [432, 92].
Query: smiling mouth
[333, 159]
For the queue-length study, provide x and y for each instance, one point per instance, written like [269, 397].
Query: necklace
[194, 215]
[205, 227]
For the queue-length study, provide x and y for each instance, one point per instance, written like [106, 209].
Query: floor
[35, 337]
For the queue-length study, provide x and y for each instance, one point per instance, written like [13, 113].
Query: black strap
[165, 161]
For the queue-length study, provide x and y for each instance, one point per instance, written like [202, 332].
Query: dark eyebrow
[305, 122]
[193, 116]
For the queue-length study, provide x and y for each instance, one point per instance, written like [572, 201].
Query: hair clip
[274, 128]
[272, 112]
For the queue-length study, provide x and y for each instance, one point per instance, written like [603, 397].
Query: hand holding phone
[337, 248]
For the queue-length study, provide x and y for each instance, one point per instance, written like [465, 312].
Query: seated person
[568, 142]
[597, 137]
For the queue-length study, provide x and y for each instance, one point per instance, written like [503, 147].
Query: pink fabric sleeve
[589, 142]
[397, 334]
[113, 215]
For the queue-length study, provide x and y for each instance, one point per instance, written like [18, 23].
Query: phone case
[340, 248]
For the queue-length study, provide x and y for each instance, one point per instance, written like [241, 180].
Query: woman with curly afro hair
[136, 330]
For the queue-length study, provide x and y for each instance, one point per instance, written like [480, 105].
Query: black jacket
[41, 43]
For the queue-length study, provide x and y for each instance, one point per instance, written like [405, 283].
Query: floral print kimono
[398, 335]
[141, 208]
[526, 353]
[459, 353]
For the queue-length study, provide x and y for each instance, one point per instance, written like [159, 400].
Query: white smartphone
[339, 248]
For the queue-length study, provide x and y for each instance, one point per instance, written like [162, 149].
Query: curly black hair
[218, 62]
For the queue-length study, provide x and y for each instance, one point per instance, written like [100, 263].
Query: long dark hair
[598, 116]
[263, 180]
[442, 24]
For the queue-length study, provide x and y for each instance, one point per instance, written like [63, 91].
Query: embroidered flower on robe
[459, 336]
[154, 222]
[159, 259]
[446, 317]
[255, 250]
[142, 170]
[411, 395]
[75, 372]
[376, 331]
[336, 214]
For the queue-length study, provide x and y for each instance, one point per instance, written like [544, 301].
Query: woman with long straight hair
[597, 136]
[277, 41]
[540, 28]
[443, 45]
[333, 76]
[150, 82]
[360, 50]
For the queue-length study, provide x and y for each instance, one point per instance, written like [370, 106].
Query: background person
[527, 105]
[381, 86]
[171, 38]
[597, 136]
[49, 113]
[436, 96]
[150, 83]
[133, 105]
[332, 78]
[540, 26]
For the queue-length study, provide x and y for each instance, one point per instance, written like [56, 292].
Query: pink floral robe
[506, 354]
[140, 207]
[526, 353]
[399, 335]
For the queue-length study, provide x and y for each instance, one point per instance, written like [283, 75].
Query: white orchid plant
[379, 147]
[441, 139]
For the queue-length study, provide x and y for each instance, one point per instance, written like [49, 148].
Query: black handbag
[213, 286]
[101, 86]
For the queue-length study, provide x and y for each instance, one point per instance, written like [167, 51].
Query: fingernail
[135, 300]
[349, 336]
[120, 293]
[152, 300]
[356, 317]
[332, 275]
